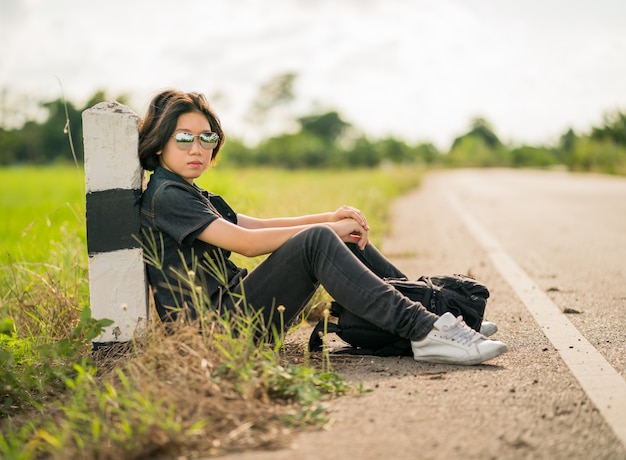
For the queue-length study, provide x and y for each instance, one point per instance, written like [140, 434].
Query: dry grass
[177, 371]
[212, 408]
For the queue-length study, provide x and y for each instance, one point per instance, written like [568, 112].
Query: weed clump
[194, 389]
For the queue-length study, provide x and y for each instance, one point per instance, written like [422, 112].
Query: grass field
[43, 208]
[40, 206]
[59, 401]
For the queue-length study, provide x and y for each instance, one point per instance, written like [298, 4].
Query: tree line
[326, 140]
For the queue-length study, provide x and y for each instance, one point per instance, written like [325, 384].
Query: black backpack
[461, 295]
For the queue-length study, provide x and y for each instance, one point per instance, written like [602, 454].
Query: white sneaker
[454, 342]
[487, 328]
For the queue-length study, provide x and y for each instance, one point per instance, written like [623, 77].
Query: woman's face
[192, 162]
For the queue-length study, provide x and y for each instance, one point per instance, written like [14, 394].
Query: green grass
[56, 401]
[40, 207]
[43, 206]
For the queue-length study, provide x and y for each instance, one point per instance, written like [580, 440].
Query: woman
[191, 233]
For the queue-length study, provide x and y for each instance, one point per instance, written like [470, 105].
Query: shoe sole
[469, 362]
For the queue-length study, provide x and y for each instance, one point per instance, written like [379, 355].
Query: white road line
[600, 381]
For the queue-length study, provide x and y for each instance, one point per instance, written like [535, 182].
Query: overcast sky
[417, 69]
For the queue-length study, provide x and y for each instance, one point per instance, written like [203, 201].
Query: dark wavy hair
[160, 122]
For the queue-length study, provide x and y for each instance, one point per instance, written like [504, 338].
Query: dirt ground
[522, 405]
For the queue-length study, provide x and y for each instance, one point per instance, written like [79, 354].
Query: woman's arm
[258, 241]
[281, 222]
[344, 212]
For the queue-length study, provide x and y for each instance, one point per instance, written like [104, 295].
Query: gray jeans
[317, 256]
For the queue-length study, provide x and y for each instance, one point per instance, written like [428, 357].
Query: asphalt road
[552, 248]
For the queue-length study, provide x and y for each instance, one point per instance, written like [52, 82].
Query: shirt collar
[160, 173]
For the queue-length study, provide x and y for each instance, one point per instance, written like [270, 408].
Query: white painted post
[113, 179]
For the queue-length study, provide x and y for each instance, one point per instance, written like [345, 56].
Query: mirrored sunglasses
[185, 140]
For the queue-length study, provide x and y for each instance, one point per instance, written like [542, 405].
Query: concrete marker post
[113, 179]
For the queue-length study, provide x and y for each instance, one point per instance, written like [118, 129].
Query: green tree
[481, 129]
[31, 143]
[292, 151]
[49, 140]
[394, 150]
[9, 147]
[329, 127]
[527, 156]
[236, 152]
[64, 120]
[362, 153]
[568, 141]
[427, 153]
[602, 156]
[479, 147]
[614, 129]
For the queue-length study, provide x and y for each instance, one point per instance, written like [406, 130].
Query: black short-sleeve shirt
[173, 213]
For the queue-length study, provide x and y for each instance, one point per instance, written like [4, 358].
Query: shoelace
[461, 332]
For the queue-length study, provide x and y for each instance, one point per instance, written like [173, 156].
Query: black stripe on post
[112, 220]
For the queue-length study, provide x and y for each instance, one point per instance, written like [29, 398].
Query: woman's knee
[320, 233]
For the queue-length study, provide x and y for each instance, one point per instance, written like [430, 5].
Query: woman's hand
[351, 231]
[349, 212]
